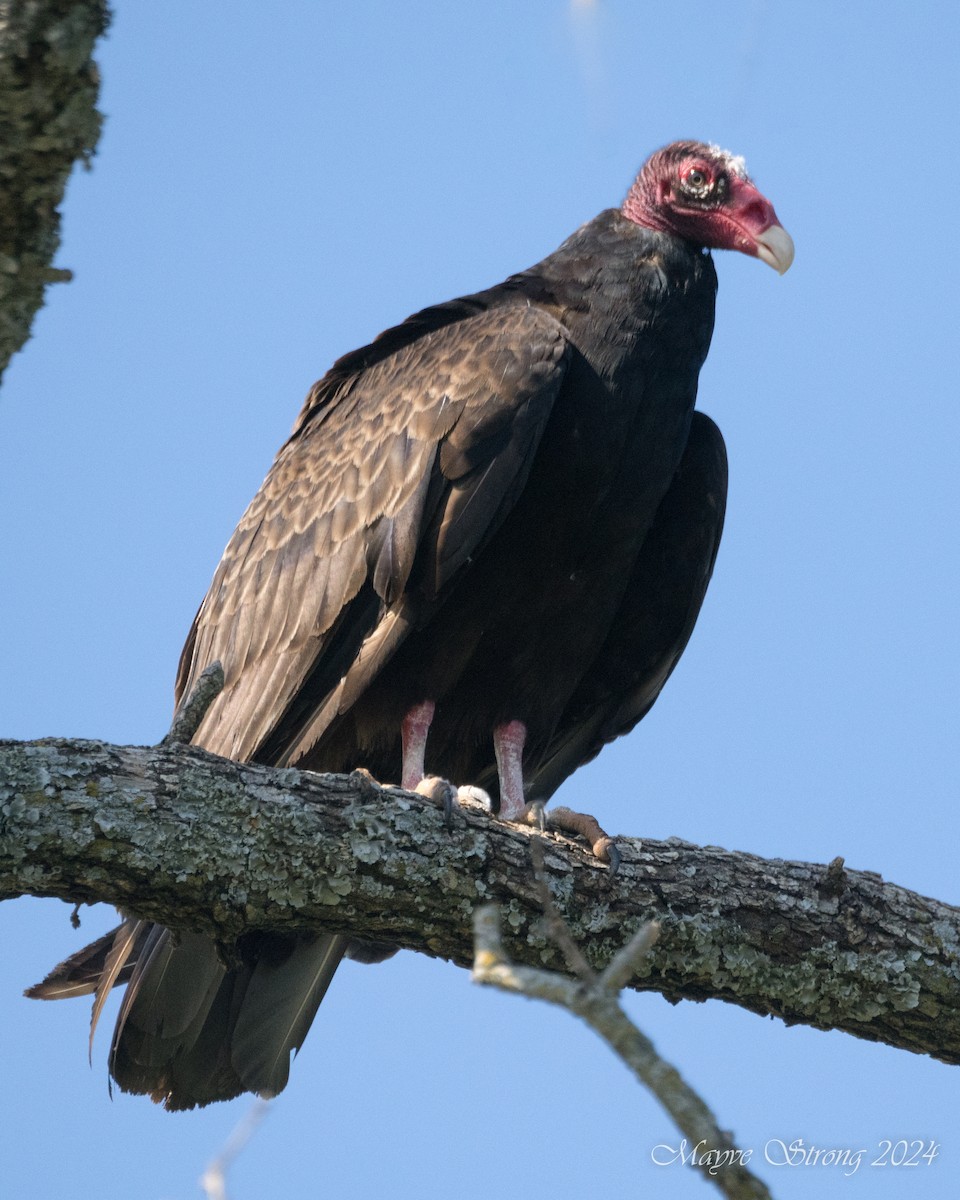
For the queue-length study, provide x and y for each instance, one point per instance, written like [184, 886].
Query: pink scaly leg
[413, 734]
[508, 746]
[508, 741]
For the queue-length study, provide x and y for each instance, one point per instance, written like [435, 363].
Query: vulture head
[703, 194]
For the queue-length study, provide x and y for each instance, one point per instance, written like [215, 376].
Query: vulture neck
[613, 280]
[642, 206]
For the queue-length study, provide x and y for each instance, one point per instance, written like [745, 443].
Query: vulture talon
[535, 814]
[449, 796]
[614, 858]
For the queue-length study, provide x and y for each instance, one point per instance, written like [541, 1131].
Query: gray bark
[48, 121]
[178, 836]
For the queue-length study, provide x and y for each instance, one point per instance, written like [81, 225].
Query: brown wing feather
[416, 459]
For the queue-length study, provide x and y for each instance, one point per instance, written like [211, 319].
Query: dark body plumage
[656, 617]
[505, 505]
[617, 322]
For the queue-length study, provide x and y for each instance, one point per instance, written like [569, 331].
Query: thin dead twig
[595, 998]
[191, 712]
[214, 1178]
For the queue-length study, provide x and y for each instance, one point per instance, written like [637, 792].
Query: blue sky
[276, 184]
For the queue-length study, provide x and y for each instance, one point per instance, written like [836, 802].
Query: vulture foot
[508, 743]
[446, 796]
[580, 825]
[441, 792]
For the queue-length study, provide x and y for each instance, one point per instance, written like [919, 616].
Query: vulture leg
[413, 738]
[508, 743]
[413, 734]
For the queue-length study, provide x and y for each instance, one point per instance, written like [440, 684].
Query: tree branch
[48, 121]
[176, 835]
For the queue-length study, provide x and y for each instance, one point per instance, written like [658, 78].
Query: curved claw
[449, 795]
[614, 858]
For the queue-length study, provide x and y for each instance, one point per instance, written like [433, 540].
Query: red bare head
[704, 195]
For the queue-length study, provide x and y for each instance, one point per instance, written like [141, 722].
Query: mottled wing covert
[406, 468]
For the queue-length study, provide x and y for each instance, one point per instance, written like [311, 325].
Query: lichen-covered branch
[48, 122]
[176, 835]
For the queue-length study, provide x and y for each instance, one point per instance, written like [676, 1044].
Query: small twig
[595, 998]
[191, 712]
[214, 1179]
[623, 966]
[834, 879]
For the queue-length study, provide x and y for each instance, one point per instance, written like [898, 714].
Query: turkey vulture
[479, 554]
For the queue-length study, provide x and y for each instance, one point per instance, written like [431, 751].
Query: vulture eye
[697, 182]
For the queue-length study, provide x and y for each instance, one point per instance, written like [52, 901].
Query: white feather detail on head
[736, 163]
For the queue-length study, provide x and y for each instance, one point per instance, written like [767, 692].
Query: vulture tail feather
[124, 945]
[279, 1006]
[80, 974]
